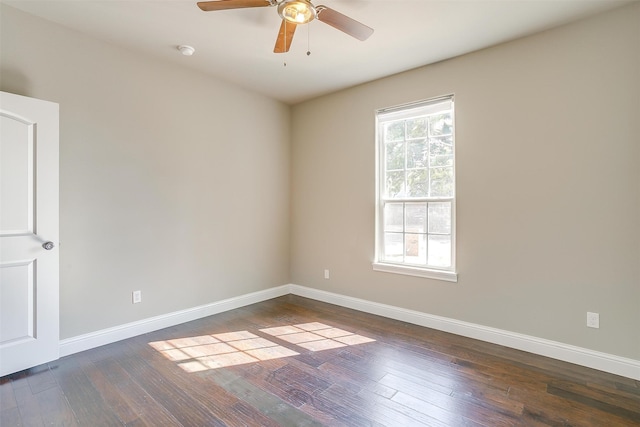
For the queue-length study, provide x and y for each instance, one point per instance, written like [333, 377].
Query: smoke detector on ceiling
[186, 50]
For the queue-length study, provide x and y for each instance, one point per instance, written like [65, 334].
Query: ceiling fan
[293, 13]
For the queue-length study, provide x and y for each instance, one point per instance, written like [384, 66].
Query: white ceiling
[237, 45]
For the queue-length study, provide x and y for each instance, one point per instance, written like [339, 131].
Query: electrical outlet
[136, 297]
[593, 320]
[326, 274]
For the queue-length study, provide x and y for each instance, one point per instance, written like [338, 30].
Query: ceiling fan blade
[208, 6]
[285, 35]
[343, 23]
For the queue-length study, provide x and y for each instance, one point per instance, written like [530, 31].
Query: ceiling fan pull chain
[308, 39]
[285, 39]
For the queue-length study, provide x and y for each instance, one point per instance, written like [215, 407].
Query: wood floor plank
[257, 398]
[148, 411]
[86, 402]
[55, 409]
[411, 415]
[20, 379]
[322, 417]
[112, 396]
[556, 410]
[352, 379]
[7, 397]
[294, 378]
[172, 396]
[615, 390]
[490, 398]
[10, 417]
[618, 406]
[627, 388]
[294, 386]
[29, 407]
[447, 411]
[358, 402]
[41, 380]
[339, 410]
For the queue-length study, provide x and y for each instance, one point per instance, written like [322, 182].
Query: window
[415, 218]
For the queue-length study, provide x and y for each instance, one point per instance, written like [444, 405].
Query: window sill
[448, 276]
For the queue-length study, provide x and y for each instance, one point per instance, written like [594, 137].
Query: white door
[29, 275]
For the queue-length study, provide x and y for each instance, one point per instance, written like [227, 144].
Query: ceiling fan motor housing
[297, 11]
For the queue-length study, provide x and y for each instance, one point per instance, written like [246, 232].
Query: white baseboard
[580, 356]
[106, 336]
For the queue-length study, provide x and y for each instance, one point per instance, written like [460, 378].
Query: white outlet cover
[136, 297]
[593, 320]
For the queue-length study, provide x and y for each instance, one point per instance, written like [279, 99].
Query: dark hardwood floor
[292, 361]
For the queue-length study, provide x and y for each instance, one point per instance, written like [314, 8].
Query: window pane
[416, 217]
[394, 131]
[436, 161]
[441, 145]
[393, 245]
[415, 249]
[441, 182]
[417, 183]
[440, 218]
[395, 184]
[393, 217]
[417, 154]
[395, 155]
[417, 128]
[440, 251]
[440, 124]
[441, 151]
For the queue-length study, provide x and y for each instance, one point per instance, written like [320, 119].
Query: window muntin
[416, 185]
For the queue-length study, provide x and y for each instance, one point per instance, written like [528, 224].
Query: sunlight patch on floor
[200, 353]
[316, 336]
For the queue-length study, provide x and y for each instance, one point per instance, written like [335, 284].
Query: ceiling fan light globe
[297, 11]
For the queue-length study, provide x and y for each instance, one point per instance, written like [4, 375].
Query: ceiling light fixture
[186, 50]
[297, 11]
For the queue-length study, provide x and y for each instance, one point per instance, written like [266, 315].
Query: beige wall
[548, 182]
[548, 134]
[171, 182]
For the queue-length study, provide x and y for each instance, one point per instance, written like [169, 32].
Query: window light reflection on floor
[204, 352]
[316, 336]
[194, 354]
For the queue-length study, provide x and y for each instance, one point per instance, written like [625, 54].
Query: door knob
[48, 245]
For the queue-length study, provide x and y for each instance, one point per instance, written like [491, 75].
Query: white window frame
[379, 264]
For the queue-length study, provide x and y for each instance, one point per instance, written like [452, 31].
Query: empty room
[286, 213]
